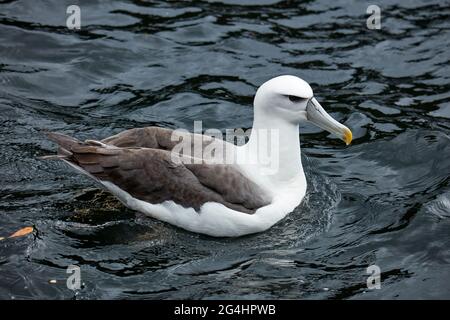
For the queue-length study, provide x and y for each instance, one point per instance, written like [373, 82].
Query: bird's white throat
[274, 146]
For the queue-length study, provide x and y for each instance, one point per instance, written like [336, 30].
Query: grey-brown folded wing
[231, 184]
[156, 138]
[150, 137]
[151, 175]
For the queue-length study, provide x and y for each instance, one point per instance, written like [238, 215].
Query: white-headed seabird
[142, 169]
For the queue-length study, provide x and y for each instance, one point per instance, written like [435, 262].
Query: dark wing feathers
[230, 183]
[139, 161]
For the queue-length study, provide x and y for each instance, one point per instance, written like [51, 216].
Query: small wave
[440, 206]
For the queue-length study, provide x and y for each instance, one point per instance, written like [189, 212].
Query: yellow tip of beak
[347, 136]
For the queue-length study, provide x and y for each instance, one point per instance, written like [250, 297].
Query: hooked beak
[317, 115]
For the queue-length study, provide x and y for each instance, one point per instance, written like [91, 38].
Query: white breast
[215, 219]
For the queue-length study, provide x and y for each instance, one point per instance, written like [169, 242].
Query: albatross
[145, 170]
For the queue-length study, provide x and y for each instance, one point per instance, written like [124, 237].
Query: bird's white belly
[214, 219]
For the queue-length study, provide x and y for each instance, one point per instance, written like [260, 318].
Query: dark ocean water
[384, 200]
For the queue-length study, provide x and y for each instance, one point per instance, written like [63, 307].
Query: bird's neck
[274, 146]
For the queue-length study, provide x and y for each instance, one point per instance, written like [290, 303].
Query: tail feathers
[65, 142]
[69, 145]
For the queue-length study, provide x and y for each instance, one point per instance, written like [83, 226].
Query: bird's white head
[290, 99]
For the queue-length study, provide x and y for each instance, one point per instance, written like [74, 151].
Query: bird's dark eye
[295, 99]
